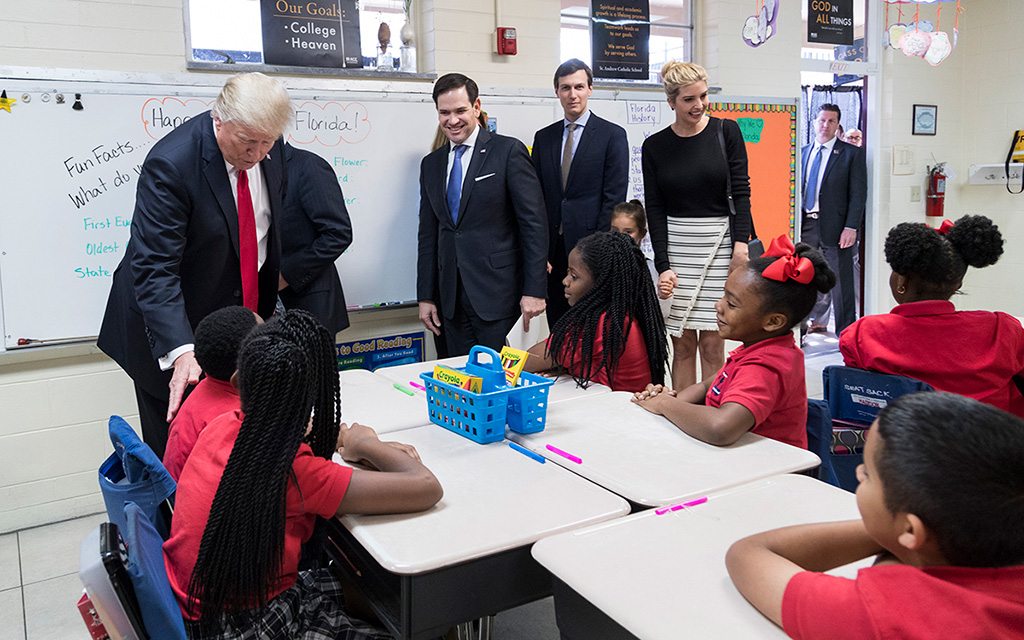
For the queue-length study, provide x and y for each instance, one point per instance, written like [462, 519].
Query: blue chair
[854, 398]
[123, 572]
[134, 473]
[819, 440]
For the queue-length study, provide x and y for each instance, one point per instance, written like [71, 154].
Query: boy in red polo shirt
[761, 388]
[944, 521]
[218, 338]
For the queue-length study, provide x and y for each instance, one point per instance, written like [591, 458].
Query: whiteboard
[69, 183]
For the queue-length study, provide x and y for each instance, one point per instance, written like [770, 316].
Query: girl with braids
[978, 354]
[761, 388]
[613, 333]
[252, 489]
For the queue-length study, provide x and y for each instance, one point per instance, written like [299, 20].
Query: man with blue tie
[583, 165]
[834, 199]
[482, 229]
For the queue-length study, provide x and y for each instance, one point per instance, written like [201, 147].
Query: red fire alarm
[505, 42]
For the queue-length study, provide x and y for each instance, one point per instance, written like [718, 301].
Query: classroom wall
[979, 91]
[770, 70]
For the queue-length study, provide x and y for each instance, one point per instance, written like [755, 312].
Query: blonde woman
[692, 170]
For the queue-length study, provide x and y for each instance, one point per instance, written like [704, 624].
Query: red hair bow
[788, 266]
[945, 227]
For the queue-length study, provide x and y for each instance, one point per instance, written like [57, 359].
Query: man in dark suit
[203, 236]
[582, 162]
[482, 232]
[315, 230]
[834, 198]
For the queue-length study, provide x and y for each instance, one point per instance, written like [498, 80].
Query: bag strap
[1013, 145]
[728, 171]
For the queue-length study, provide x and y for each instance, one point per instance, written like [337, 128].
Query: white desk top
[564, 388]
[495, 499]
[645, 458]
[663, 577]
[374, 402]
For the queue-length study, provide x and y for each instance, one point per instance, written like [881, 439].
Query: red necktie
[247, 249]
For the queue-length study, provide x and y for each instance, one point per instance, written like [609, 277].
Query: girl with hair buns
[260, 479]
[761, 388]
[978, 354]
[697, 194]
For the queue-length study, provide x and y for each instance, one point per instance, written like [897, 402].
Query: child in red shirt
[944, 520]
[256, 483]
[218, 337]
[613, 333]
[981, 354]
[761, 388]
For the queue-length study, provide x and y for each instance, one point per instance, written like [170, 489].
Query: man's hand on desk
[186, 373]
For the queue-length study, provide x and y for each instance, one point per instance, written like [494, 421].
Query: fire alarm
[505, 41]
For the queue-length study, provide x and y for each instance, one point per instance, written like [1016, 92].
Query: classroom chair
[127, 582]
[819, 440]
[134, 473]
[854, 397]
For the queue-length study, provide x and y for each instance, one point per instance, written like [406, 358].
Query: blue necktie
[455, 183]
[811, 193]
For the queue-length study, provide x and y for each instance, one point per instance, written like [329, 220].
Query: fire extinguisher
[936, 190]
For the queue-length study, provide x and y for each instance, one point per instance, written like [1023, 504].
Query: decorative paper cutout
[761, 26]
[915, 43]
[939, 48]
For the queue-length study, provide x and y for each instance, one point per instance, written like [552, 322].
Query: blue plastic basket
[482, 417]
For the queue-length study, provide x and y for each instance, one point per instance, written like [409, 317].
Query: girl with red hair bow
[761, 388]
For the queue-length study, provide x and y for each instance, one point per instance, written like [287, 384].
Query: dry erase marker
[418, 386]
[677, 507]
[403, 389]
[526, 452]
[567, 456]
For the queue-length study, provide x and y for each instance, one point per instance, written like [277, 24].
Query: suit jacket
[598, 178]
[843, 194]
[315, 231]
[499, 245]
[182, 260]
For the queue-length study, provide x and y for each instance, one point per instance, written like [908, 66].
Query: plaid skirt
[699, 252]
[312, 609]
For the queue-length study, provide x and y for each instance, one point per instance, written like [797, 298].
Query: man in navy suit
[482, 231]
[191, 252]
[582, 162]
[834, 198]
[315, 231]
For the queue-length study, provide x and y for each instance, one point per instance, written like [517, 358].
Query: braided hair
[622, 292]
[218, 337]
[791, 298]
[281, 373]
[939, 261]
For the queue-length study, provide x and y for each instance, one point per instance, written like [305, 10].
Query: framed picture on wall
[925, 116]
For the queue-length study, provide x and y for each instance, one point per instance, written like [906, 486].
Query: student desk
[646, 459]
[468, 556]
[564, 388]
[374, 402]
[662, 577]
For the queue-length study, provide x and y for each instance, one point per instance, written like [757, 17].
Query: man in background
[834, 199]
[582, 162]
[315, 231]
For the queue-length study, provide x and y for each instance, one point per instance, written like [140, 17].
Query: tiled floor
[39, 583]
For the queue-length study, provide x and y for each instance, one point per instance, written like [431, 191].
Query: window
[671, 33]
[230, 30]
